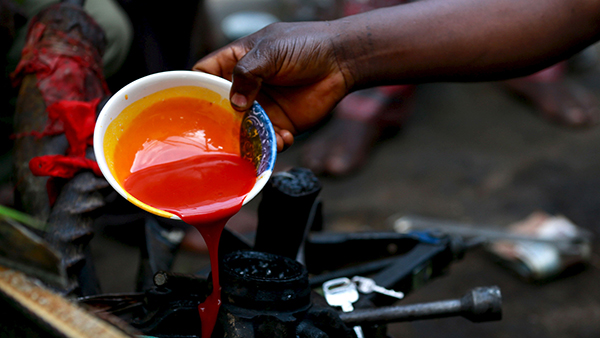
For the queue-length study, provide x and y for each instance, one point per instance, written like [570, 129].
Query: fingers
[238, 63]
[246, 69]
[248, 75]
[285, 138]
[220, 62]
[288, 138]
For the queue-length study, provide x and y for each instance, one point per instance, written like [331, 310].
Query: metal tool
[419, 257]
[342, 292]
[485, 233]
[367, 285]
[479, 305]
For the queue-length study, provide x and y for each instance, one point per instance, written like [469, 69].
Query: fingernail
[239, 100]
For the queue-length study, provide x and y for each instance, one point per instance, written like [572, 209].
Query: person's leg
[359, 121]
[556, 98]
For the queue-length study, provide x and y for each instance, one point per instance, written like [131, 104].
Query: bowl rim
[208, 81]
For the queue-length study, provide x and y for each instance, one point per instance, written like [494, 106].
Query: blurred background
[473, 153]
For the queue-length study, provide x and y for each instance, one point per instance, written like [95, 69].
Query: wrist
[345, 51]
[365, 49]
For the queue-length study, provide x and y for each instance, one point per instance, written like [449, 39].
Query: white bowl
[257, 137]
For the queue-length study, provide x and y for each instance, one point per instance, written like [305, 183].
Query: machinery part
[290, 196]
[478, 305]
[414, 269]
[262, 295]
[158, 251]
[230, 242]
[172, 280]
[168, 310]
[361, 269]
[269, 295]
[265, 294]
[263, 281]
[343, 248]
[69, 230]
[410, 271]
[261, 292]
[416, 258]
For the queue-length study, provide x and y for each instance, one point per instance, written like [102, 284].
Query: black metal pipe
[286, 212]
[179, 281]
[358, 270]
[478, 305]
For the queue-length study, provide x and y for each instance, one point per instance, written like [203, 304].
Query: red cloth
[77, 120]
[61, 166]
[66, 68]
[69, 76]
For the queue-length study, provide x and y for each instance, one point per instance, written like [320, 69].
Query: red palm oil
[181, 155]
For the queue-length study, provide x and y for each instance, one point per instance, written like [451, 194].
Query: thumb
[244, 89]
[247, 78]
[224, 63]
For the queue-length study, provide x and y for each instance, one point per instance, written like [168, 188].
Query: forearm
[462, 40]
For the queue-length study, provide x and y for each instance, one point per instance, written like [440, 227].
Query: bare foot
[558, 100]
[360, 120]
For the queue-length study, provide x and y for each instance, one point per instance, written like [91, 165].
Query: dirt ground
[471, 153]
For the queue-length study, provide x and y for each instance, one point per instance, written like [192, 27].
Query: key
[367, 285]
[342, 292]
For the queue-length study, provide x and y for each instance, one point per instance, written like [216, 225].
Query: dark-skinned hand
[289, 68]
